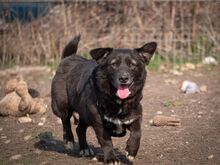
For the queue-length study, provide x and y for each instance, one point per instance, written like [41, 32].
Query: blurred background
[34, 32]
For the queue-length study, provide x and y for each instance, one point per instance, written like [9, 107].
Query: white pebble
[25, 120]
[43, 119]
[59, 121]
[210, 157]
[7, 141]
[3, 137]
[159, 112]
[40, 124]
[26, 138]
[37, 151]
[94, 159]
[15, 157]
[1, 129]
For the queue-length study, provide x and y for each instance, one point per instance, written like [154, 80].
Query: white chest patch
[117, 121]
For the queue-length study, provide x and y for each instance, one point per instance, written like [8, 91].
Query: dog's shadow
[48, 143]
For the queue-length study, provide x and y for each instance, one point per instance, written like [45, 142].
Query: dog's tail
[71, 47]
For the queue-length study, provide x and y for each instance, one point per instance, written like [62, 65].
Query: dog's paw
[95, 159]
[129, 157]
[69, 145]
[112, 160]
[106, 159]
[115, 163]
[87, 152]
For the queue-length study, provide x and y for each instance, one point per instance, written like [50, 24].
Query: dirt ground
[196, 141]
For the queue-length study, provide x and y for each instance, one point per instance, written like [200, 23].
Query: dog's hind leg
[67, 132]
[85, 150]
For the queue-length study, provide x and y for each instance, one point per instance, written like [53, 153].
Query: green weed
[168, 103]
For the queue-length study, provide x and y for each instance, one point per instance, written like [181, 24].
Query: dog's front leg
[133, 142]
[105, 141]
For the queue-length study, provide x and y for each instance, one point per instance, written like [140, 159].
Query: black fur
[89, 87]
[71, 48]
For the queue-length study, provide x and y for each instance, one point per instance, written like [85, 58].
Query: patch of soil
[196, 141]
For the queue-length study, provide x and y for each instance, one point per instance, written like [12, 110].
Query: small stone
[94, 159]
[25, 120]
[159, 112]
[21, 131]
[40, 124]
[190, 66]
[1, 129]
[15, 157]
[203, 88]
[59, 121]
[26, 138]
[37, 151]
[210, 157]
[43, 119]
[3, 137]
[7, 141]
[176, 72]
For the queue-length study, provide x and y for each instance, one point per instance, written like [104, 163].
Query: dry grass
[182, 29]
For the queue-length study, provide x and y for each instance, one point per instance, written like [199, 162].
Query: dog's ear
[100, 53]
[147, 51]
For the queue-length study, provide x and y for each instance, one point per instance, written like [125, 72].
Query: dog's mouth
[123, 91]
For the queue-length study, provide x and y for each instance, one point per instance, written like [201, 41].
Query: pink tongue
[123, 92]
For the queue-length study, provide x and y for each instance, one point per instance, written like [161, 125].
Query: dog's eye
[133, 64]
[114, 63]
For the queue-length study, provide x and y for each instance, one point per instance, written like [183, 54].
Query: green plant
[202, 46]
[156, 61]
[87, 55]
[53, 63]
[168, 103]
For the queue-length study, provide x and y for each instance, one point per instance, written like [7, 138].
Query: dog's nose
[124, 78]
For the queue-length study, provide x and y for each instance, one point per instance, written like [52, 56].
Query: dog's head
[125, 68]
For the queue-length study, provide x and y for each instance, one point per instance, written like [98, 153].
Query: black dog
[105, 92]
